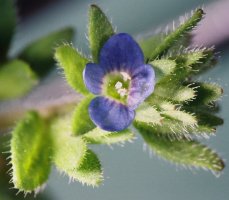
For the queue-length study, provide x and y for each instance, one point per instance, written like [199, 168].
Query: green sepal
[177, 34]
[71, 156]
[40, 52]
[73, 64]
[90, 170]
[16, 79]
[31, 150]
[81, 121]
[7, 26]
[183, 151]
[99, 136]
[99, 30]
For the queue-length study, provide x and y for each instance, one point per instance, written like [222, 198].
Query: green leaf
[71, 155]
[81, 121]
[99, 136]
[148, 114]
[7, 26]
[206, 93]
[89, 172]
[183, 151]
[100, 30]
[73, 64]
[178, 33]
[30, 152]
[16, 79]
[40, 52]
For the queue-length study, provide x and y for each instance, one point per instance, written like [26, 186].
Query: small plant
[147, 88]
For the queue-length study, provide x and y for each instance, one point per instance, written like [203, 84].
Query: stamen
[125, 76]
[122, 92]
[118, 85]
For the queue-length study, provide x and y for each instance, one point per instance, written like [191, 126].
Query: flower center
[116, 86]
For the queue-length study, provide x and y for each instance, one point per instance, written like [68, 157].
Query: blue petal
[121, 52]
[142, 85]
[110, 115]
[93, 77]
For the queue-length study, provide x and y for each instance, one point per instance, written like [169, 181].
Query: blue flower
[121, 80]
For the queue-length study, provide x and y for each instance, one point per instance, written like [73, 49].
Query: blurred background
[130, 173]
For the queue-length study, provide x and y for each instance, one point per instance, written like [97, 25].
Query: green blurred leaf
[100, 30]
[73, 64]
[99, 136]
[178, 33]
[39, 54]
[30, 152]
[7, 26]
[81, 121]
[16, 79]
[183, 151]
[90, 170]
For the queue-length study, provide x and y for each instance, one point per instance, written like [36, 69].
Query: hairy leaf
[73, 64]
[206, 93]
[148, 114]
[100, 30]
[171, 38]
[71, 155]
[206, 60]
[30, 152]
[40, 52]
[81, 121]
[16, 79]
[173, 93]
[160, 103]
[99, 136]
[183, 151]
[90, 170]
[7, 26]
[68, 151]
[163, 67]
[184, 117]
